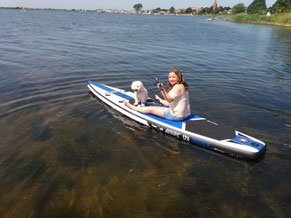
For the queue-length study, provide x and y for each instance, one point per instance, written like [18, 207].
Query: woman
[177, 99]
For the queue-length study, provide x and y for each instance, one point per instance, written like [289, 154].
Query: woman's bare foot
[127, 104]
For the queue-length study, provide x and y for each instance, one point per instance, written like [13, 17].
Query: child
[177, 99]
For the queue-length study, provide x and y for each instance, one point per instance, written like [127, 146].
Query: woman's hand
[157, 97]
[162, 101]
[160, 86]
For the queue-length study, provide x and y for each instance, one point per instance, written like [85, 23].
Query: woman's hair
[180, 79]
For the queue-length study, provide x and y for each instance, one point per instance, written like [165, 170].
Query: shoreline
[209, 15]
[279, 19]
[262, 23]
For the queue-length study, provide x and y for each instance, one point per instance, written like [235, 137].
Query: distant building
[109, 10]
[198, 10]
[123, 11]
[99, 10]
[214, 5]
[181, 10]
[227, 11]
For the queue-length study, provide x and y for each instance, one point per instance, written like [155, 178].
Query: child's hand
[158, 99]
[160, 86]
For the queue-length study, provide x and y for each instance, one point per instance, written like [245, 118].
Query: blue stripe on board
[120, 94]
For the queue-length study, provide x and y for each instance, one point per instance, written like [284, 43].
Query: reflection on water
[64, 153]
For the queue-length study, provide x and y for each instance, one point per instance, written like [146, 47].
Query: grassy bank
[283, 19]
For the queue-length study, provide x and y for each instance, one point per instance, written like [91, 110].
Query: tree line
[259, 7]
[188, 10]
[256, 7]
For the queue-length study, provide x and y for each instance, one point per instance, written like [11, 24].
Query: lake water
[64, 153]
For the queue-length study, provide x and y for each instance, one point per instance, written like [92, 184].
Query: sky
[122, 4]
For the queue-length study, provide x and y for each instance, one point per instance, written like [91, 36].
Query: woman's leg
[156, 110]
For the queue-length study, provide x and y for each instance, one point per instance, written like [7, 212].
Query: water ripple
[57, 141]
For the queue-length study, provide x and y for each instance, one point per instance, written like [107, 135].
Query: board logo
[199, 142]
[170, 132]
[243, 140]
[173, 133]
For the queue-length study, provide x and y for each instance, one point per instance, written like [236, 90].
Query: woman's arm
[163, 102]
[166, 96]
[177, 89]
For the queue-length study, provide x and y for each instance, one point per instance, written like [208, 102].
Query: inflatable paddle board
[194, 129]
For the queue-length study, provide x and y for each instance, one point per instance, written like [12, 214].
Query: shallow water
[63, 153]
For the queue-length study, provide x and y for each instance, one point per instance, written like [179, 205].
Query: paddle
[157, 81]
